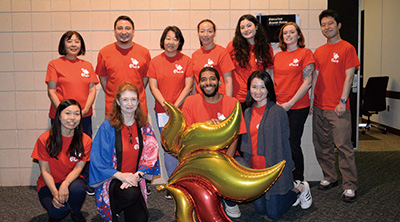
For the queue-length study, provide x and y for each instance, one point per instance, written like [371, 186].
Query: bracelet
[139, 175]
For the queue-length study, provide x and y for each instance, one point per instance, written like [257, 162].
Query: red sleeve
[93, 78]
[100, 67]
[147, 63]
[151, 71]
[351, 58]
[308, 58]
[51, 74]
[87, 144]
[271, 52]
[39, 151]
[226, 63]
[189, 70]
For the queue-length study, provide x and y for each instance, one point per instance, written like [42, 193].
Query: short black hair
[332, 13]
[178, 35]
[126, 18]
[67, 36]
[210, 69]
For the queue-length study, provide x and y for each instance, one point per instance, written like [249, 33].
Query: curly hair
[241, 52]
[54, 142]
[115, 116]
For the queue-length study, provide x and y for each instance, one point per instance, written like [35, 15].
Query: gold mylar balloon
[204, 173]
[210, 136]
[173, 129]
[232, 180]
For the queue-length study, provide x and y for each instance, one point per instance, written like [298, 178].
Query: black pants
[129, 200]
[297, 119]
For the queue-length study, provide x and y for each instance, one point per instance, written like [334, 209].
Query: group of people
[272, 89]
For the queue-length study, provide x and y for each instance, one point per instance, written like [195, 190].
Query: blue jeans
[170, 161]
[77, 195]
[276, 205]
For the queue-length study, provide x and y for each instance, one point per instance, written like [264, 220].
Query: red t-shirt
[256, 161]
[332, 60]
[73, 78]
[123, 65]
[130, 151]
[196, 109]
[288, 75]
[64, 164]
[241, 75]
[171, 74]
[218, 58]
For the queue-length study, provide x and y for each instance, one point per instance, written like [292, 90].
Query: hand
[213, 121]
[311, 110]
[340, 109]
[63, 192]
[128, 178]
[125, 185]
[56, 203]
[285, 106]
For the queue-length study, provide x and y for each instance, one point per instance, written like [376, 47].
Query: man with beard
[123, 61]
[212, 106]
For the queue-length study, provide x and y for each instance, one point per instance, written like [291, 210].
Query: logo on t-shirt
[137, 143]
[85, 73]
[134, 64]
[209, 63]
[335, 58]
[295, 62]
[220, 116]
[257, 126]
[74, 159]
[178, 68]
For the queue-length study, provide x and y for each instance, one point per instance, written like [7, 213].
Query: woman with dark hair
[293, 70]
[124, 150]
[170, 79]
[69, 77]
[212, 55]
[266, 143]
[250, 51]
[62, 153]
[72, 78]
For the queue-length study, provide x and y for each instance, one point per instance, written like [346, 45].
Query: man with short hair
[212, 106]
[336, 62]
[122, 61]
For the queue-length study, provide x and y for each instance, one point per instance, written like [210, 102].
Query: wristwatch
[343, 101]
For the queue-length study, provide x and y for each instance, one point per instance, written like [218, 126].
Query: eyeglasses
[130, 134]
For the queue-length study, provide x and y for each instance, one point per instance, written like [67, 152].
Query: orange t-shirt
[241, 75]
[218, 58]
[332, 61]
[64, 164]
[123, 65]
[130, 151]
[73, 78]
[288, 75]
[196, 109]
[171, 74]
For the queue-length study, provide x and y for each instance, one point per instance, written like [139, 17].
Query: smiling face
[330, 28]
[124, 32]
[128, 102]
[72, 47]
[290, 35]
[171, 44]
[70, 118]
[248, 30]
[209, 83]
[258, 91]
[206, 34]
